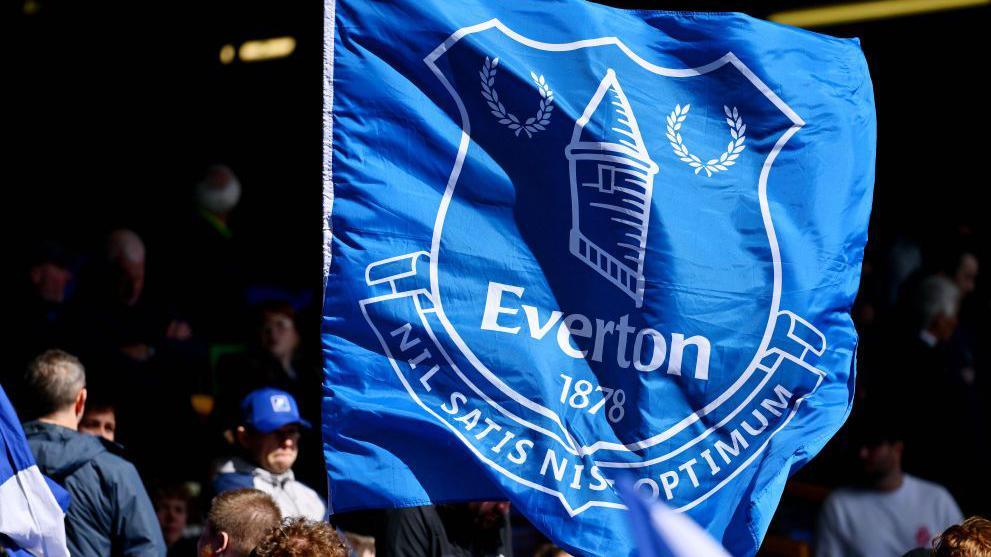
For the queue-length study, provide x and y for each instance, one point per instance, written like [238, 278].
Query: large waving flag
[566, 240]
[32, 517]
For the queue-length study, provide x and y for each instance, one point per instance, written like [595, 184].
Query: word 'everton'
[647, 352]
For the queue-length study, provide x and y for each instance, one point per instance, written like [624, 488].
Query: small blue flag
[566, 241]
[32, 513]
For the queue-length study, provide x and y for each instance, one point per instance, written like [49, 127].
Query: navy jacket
[110, 513]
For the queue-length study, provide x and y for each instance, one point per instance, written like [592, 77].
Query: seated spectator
[478, 529]
[110, 513]
[100, 419]
[924, 372]
[117, 313]
[361, 546]
[298, 537]
[937, 303]
[172, 505]
[960, 266]
[268, 437]
[272, 360]
[207, 259]
[970, 539]
[39, 306]
[892, 512]
[139, 345]
[238, 520]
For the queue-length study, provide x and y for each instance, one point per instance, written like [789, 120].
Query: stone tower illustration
[612, 178]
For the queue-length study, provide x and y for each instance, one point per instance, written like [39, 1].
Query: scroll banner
[567, 242]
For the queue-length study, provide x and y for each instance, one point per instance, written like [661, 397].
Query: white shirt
[869, 523]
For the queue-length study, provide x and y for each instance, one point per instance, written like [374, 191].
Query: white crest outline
[568, 443]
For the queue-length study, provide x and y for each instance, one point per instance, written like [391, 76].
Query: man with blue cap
[269, 438]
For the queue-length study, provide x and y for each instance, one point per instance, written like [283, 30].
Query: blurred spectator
[892, 512]
[172, 505]
[110, 513]
[117, 310]
[479, 529]
[269, 440]
[361, 546]
[139, 346]
[217, 194]
[99, 419]
[960, 267]
[238, 520]
[207, 265]
[926, 373]
[39, 307]
[298, 537]
[904, 259]
[937, 305]
[970, 539]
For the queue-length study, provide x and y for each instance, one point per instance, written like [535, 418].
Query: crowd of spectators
[142, 363]
[906, 466]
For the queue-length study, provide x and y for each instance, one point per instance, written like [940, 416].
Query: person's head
[277, 332]
[100, 419]
[937, 304]
[298, 537]
[361, 546]
[972, 538]
[126, 255]
[48, 272]
[238, 520]
[56, 383]
[880, 445]
[219, 190]
[961, 267]
[270, 429]
[172, 507]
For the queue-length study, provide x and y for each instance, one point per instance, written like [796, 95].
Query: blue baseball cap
[266, 410]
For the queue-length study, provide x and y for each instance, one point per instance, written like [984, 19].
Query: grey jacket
[110, 512]
[292, 497]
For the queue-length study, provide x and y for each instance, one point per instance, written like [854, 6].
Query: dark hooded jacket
[110, 512]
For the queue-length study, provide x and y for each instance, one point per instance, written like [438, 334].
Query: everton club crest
[603, 289]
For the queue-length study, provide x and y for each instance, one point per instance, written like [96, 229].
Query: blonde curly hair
[298, 537]
[972, 538]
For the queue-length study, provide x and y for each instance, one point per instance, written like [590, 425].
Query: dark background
[119, 105]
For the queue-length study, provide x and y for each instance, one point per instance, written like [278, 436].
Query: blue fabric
[566, 240]
[647, 541]
[13, 550]
[659, 532]
[15, 456]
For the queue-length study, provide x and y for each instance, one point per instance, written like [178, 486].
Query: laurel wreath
[537, 123]
[737, 131]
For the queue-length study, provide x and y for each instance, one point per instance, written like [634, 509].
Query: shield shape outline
[774, 312]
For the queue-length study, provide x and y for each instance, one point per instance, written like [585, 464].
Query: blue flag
[32, 512]
[566, 241]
